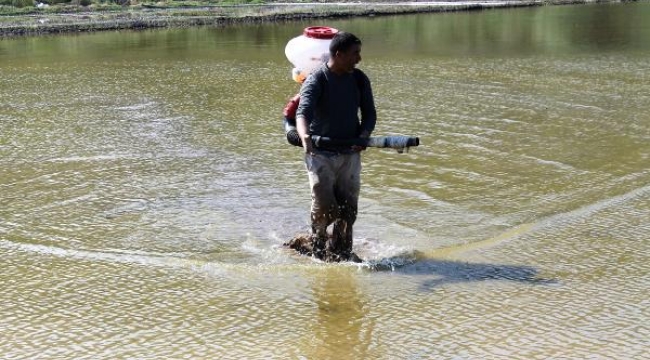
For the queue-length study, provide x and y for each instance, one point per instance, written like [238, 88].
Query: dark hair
[343, 41]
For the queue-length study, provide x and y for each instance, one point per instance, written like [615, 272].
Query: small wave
[557, 164]
[90, 158]
[136, 106]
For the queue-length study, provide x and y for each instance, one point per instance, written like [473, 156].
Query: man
[330, 100]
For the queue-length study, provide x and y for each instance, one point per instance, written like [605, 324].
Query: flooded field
[146, 189]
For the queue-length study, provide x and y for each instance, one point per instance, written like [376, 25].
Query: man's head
[345, 51]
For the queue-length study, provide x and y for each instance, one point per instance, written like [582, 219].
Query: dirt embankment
[142, 17]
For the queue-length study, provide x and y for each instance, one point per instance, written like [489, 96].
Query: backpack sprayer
[307, 52]
[397, 142]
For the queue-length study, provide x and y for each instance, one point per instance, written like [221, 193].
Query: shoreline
[152, 17]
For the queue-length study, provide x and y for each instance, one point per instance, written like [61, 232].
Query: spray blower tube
[398, 142]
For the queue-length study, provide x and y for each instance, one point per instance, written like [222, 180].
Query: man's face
[350, 58]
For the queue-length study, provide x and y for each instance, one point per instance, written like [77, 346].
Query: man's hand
[363, 135]
[307, 144]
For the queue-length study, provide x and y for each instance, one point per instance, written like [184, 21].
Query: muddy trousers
[335, 181]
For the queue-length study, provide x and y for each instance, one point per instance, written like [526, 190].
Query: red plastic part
[320, 32]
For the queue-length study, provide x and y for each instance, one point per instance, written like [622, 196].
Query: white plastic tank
[309, 50]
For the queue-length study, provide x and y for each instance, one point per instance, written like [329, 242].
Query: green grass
[22, 7]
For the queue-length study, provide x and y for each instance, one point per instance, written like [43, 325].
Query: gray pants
[335, 181]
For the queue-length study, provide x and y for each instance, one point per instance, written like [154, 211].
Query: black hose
[395, 141]
[292, 133]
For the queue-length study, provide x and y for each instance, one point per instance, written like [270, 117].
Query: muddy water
[145, 190]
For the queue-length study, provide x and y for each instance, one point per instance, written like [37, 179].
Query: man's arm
[309, 93]
[368, 111]
[367, 106]
[303, 131]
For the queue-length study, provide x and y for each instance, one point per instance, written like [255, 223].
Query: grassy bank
[33, 17]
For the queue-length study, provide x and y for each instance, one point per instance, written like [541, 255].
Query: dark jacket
[331, 104]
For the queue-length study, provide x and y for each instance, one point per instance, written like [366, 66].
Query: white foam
[379, 255]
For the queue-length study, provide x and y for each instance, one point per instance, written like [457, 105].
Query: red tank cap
[320, 32]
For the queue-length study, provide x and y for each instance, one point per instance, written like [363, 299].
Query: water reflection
[342, 327]
[550, 30]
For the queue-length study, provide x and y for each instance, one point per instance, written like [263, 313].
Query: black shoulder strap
[358, 77]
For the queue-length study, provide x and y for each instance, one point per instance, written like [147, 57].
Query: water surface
[146, 189]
